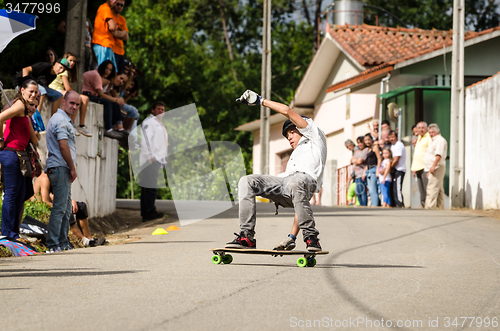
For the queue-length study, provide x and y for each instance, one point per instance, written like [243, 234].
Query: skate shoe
[312, 244]
[242, 241]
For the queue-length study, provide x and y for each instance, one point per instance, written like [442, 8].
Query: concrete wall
[96, 161]
[482, 136]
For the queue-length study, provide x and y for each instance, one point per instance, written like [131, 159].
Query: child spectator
[359, 161]
[385, 177]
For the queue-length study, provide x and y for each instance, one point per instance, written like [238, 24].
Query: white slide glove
[250, 98]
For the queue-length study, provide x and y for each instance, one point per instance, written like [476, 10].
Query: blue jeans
[112, 113]
[52, 94]
[386, 192]
[15, 189]
[361, 191]
[131, 111]
[62, 209]
[371, 180]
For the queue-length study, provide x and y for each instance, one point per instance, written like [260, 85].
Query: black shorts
[81, 214]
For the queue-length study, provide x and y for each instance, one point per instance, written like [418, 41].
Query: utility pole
[75, 34]
[265, 112]
[457, 120]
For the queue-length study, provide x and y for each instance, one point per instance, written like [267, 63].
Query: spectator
[317, 200]
[349, 144]
[105, 29]
[41, 189]
[384, 137]
[120, 35]
[61, 170]
[374, 130]
[44, 73]
[381, 144]
[37, 120]
[385, 177]
[18, 132]
[399, 164]
[130, 112]
[50, 56]
[129, 68]
[435, 167]
[62, 85]
[359, 160]
[373, 160]
[417, 166]
[414, 138]
[93, 82]
[79, 225]
[130, 91]
[386, 125]
[154, 145]
[351, 193]
[31, 107]
[90, 58]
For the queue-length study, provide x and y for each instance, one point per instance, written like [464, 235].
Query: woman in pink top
[18, 133]
[95, 85]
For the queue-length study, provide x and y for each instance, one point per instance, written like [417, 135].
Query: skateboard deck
[307, 260]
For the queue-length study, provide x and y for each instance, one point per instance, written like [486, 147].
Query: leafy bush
[35, 209]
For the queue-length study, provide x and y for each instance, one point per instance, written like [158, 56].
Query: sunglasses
[119, 4]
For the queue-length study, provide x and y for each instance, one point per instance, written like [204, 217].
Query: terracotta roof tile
[375, 45]
[379, 47]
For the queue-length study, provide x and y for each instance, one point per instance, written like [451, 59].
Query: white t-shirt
[399, 150]
[310, 154]
[154, 141]
[383, 165]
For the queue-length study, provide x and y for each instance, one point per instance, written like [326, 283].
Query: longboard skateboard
[308, 259]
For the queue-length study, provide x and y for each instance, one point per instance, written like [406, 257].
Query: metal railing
[343, 185]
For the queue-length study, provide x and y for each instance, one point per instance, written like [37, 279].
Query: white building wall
[482, 136]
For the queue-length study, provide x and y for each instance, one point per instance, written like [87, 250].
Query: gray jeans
[293, 191]
[422, 185]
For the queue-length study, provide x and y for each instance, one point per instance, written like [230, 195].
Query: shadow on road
[41, 273]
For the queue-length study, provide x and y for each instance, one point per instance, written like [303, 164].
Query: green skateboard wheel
[311, 262]
[301, 262]
[216, 259]
[227, 259]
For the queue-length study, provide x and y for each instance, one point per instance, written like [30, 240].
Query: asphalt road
[417, 269]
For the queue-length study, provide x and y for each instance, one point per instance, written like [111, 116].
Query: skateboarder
[293, 188]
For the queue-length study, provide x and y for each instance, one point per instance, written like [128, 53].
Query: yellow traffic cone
[159, 231]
